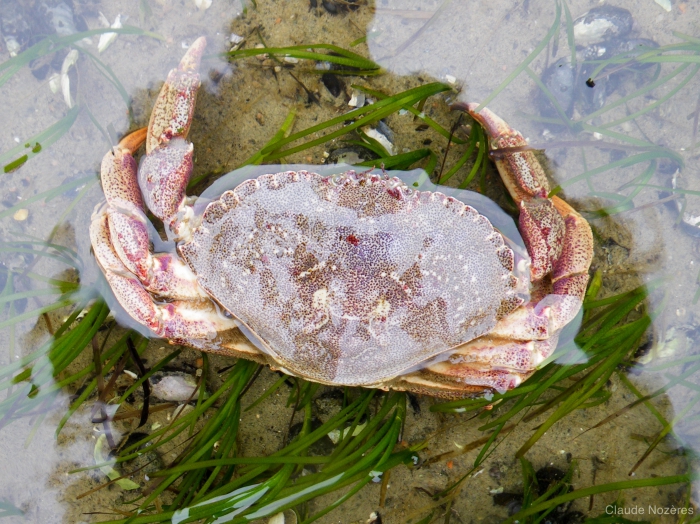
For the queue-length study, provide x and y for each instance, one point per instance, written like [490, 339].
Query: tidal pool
[624, 152]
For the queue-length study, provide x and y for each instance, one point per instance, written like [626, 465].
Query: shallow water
[242, 104]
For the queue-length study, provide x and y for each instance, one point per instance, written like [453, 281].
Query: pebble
[173, 386]
[602, 23]
[21, 214]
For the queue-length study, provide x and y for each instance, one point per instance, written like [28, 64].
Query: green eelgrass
[53, 43]
[35, 144]
[361, 117]
[415, 112]
[607, 339]
[357, 65]
[537, 505]
[266, 486]
[251, 491]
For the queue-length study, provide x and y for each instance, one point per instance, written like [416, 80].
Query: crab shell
[353, 279]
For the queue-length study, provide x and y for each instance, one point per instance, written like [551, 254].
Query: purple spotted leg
[157, 289]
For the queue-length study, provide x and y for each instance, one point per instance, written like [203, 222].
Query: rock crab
[352, 279]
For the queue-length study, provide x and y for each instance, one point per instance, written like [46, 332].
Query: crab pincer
[558, 239]
[158, 290]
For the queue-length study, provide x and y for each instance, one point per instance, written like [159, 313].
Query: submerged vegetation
[207, 479]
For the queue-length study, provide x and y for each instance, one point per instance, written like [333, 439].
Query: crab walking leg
[162, 274]
[196, 323]
[490, 362]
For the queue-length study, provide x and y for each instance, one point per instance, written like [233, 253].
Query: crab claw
[167, 166]
[163, 177]
[522, 173]
[125, 231]
[541, 226]
[174, 107]
[558, 239]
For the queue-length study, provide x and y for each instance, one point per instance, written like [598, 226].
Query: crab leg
[560, 244]
[119, 230]
[162, 274]
[558, 239]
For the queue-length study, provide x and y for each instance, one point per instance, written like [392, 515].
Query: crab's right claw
[558, 239]
[168, 320]
[159, 290]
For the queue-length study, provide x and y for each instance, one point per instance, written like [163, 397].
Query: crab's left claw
[158, 290]
[167, 166]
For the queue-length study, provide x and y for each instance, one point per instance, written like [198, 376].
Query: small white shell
[13, 46]
[358, 99]
[68, 62]
[383, 140]
[276, 519]
[21, 215]
[106, 39]
[202, 5]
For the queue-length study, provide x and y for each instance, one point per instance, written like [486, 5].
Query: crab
[352, 279]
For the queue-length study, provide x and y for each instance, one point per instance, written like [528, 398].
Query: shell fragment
[68, 62]
[106, 39]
